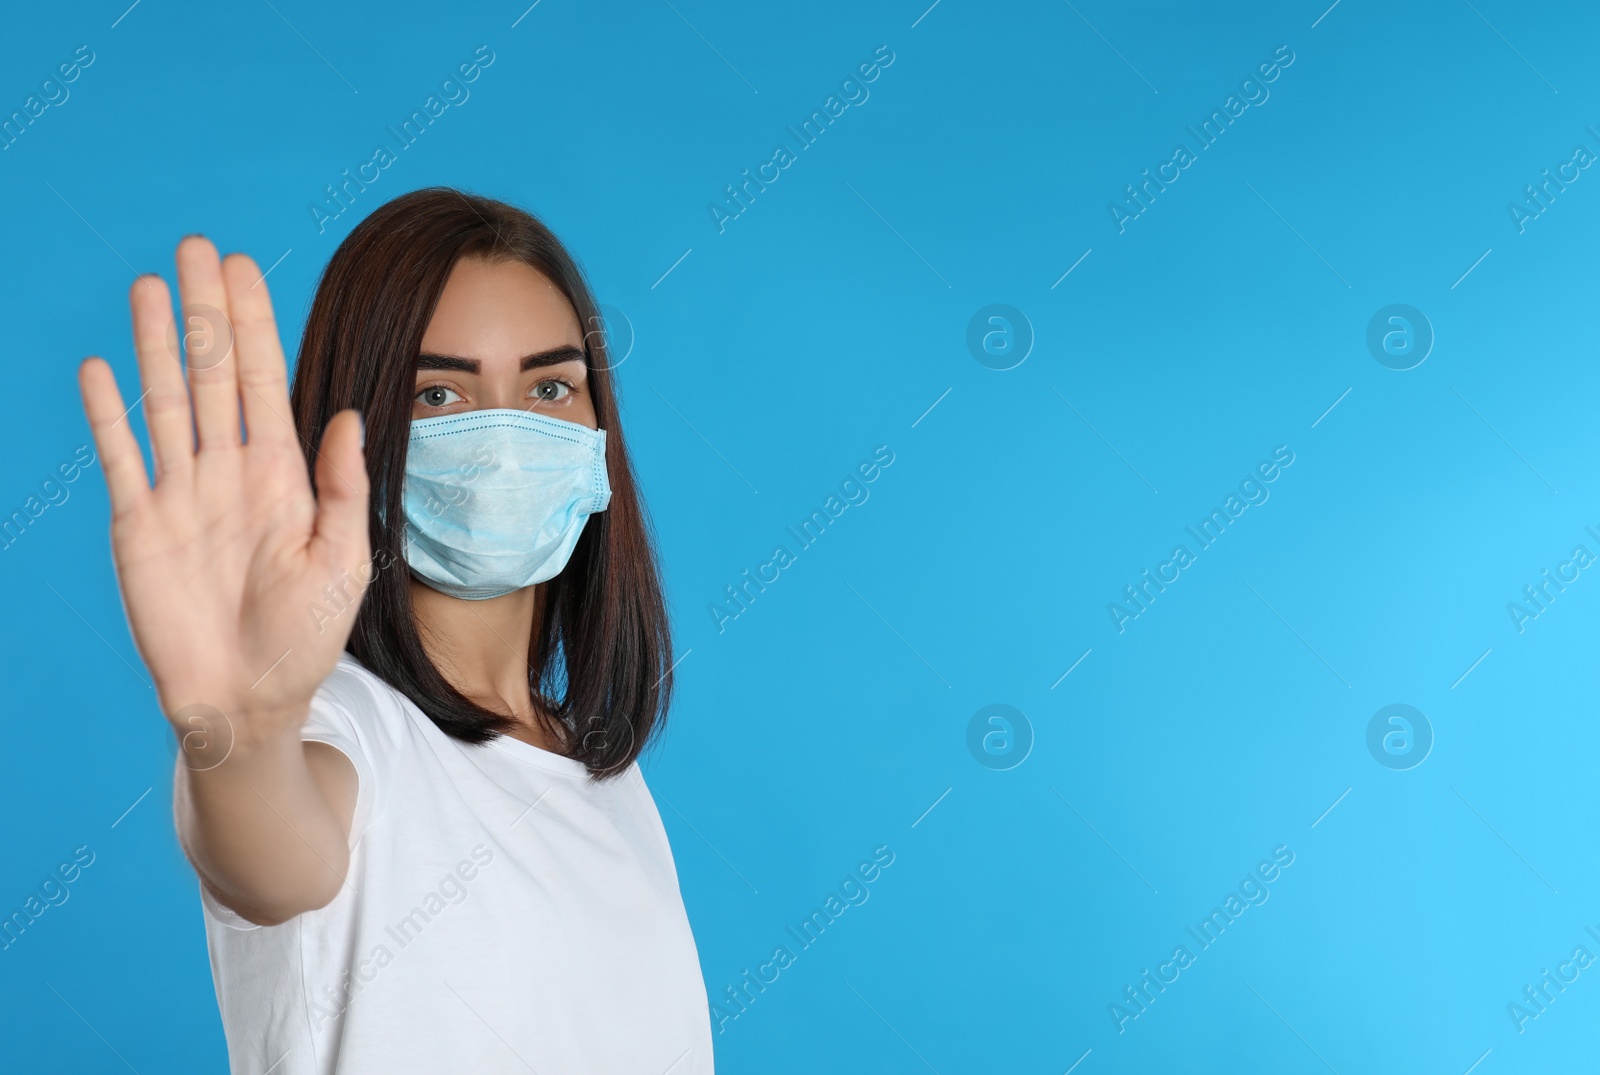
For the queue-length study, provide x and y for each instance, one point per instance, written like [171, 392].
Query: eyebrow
[552, 357]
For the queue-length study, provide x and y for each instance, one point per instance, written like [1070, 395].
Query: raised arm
[218, 561]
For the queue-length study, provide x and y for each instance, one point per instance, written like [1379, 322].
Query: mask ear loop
[378, 501]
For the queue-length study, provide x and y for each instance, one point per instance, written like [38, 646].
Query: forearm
[258, 826]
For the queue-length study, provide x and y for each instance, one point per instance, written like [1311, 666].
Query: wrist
[207, 736]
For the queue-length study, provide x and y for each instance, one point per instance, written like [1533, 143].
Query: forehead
[500, 308]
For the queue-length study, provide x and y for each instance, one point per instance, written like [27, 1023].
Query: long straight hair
[600, 656]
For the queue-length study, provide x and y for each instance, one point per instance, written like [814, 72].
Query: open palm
[222, 559]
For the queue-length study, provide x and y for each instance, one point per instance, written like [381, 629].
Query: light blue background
[825, 321]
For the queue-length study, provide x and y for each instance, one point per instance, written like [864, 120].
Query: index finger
[263, 372]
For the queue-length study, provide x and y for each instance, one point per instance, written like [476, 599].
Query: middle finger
[206, 334]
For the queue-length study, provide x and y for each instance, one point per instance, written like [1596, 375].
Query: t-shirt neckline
[538, 756]
[505, 744]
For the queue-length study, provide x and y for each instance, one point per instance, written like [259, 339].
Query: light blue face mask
[495, 500]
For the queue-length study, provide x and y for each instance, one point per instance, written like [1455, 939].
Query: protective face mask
[495, 500]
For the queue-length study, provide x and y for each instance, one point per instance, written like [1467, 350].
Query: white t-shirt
[502, 913]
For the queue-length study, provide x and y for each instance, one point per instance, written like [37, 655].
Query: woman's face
[503, 335]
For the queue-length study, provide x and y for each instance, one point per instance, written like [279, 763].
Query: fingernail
[193, 235]
[361, 436]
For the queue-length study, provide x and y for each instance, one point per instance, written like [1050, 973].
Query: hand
[221, 562]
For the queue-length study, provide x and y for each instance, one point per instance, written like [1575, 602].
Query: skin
[219, 558]
[497, 314]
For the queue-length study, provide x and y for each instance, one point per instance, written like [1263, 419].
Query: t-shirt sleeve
[345, 715]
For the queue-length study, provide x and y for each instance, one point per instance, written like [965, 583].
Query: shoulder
[361, 716]
[353, 687]
[355, 699]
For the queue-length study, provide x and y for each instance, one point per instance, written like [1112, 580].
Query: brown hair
[600, 657]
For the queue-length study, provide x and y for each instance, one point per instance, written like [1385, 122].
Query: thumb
[342, 492]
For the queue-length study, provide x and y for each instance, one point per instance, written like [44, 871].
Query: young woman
[411, 659]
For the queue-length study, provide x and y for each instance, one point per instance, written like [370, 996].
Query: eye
[552, 390]
[437, 395]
